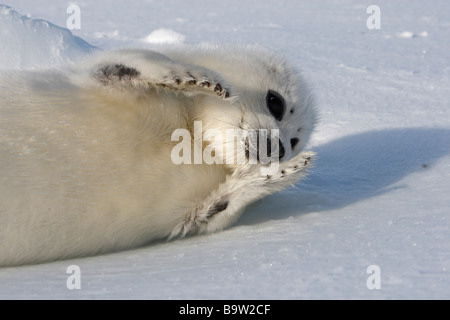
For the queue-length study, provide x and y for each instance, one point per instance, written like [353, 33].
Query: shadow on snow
[354, 168]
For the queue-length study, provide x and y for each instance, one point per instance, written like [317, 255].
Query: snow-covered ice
[379, 194]
[28, 43]
[167, 36]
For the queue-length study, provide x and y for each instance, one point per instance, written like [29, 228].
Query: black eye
[276, 104]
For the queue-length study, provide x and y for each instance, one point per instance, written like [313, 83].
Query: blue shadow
[354, 168]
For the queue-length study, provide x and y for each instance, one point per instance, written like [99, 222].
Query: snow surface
[31, 43]
[166, 36]
[379, 194]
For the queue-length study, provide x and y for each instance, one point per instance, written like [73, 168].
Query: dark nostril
[294, 142]
[269, 147]
[281, 151]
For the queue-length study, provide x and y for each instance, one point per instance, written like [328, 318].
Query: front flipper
[149, 69]
[246, 185]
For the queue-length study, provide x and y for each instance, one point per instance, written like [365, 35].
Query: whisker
[255, 116]
[240, 118]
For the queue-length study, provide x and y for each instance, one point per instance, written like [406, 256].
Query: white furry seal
[85, 153]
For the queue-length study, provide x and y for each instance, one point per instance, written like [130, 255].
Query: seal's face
[268, 94]
[293, 117]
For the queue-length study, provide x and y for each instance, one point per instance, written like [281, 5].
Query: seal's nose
[281, 151]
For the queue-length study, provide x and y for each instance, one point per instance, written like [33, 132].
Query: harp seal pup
[86, 152]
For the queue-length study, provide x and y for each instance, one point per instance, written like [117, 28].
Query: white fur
[85, 153]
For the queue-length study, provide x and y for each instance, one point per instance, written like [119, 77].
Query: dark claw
[217, 207]
[218, 88]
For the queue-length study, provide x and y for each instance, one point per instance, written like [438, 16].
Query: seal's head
[266, 93]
